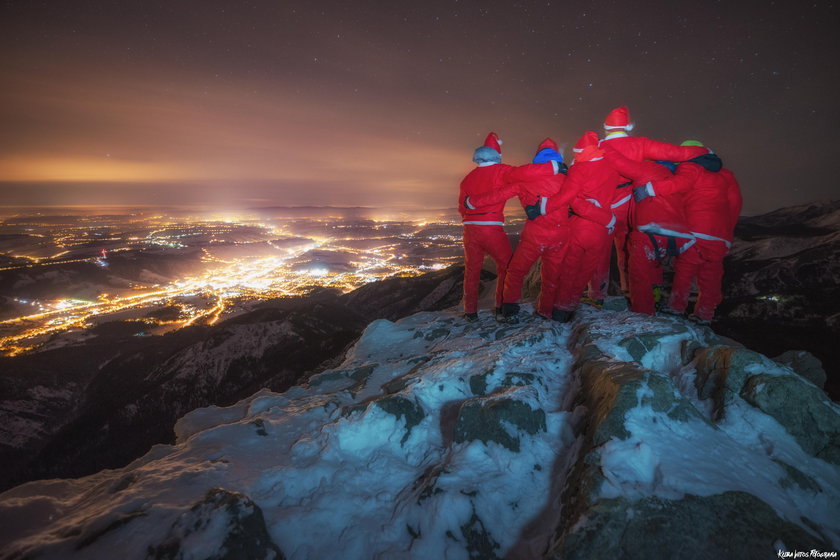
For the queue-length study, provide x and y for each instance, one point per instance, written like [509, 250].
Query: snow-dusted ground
[436, 438]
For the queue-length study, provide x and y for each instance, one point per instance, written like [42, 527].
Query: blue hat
[548, 154]
[486, 154]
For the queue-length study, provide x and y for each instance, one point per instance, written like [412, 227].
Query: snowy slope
[438, 438]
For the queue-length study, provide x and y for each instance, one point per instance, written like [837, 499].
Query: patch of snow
[669, 458]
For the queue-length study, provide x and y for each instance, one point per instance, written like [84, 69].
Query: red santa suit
[599, 282]
[658, 231]
[593, 181]
[483, 231]
[636, 148]
[562, 212]
[712, 205]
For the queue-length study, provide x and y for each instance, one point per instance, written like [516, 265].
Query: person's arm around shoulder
[653, 149]
[495, 196]
[625, 167]
[681, 181]
[532, 172]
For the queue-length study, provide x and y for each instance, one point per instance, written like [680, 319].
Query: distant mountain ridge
[825, 213]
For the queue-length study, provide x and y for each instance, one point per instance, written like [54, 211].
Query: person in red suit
[658, 230]
[713, 202]
[483, 231]
[617, 128]
[592, 182]
[599, 283]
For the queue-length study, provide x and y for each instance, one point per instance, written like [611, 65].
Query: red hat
[548, 143]
[588, 139]
[493, 141]
[587, 149]
[618, 118]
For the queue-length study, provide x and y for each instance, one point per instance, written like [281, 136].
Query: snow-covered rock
[677, 462]
[615, 435]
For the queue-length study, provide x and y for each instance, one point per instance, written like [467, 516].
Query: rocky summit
[615, 436]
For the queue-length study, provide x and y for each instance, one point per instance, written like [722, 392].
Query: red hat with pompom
[588, 139]
[493, 141]
[618, 118]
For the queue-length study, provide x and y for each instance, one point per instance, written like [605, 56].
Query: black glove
[709, 162]
[562, 168]
[642, 192]
[533, 210]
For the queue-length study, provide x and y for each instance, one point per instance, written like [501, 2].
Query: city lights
[240, 262]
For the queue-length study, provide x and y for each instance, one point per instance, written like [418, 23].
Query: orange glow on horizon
[76, 169]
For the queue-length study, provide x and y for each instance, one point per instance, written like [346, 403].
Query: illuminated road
[51, 263]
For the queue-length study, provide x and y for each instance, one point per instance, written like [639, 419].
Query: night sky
[382, 103]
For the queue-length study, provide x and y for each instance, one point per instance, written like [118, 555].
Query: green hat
[693, 143]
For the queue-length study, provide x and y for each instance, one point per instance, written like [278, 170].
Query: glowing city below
[238, 265]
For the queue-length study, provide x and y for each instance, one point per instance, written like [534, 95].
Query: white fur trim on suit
[613, 135]
[708, 237]
[478, 223]
[624, 200]
[656, 229]
[627, 127]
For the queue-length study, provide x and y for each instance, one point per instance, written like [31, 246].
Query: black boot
[698, 321]
[510, 312]
[561, 315]
[471, 317]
